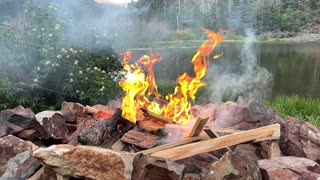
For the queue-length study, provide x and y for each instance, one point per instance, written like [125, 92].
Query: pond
[293, 68]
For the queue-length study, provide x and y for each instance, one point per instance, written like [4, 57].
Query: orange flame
[138, 87]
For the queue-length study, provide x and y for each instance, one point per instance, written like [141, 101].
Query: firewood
[150, 125]
[198, 126]
[140, 139]
[119, 145]
[175, 144]
[213, 134]
[100, 113]
[188, 150]
[156, 117]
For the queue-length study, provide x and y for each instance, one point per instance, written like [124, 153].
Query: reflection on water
[295, 67]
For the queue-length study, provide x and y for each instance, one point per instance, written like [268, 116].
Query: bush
[40, 69]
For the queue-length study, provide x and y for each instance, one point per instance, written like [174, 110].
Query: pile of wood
[227, 141]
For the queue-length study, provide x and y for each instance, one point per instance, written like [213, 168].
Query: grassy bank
[297, 106]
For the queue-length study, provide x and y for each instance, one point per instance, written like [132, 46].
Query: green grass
[298, 107]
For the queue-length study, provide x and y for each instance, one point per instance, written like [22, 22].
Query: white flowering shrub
[43, 68]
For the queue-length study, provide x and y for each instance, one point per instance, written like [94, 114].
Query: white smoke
[251, 81]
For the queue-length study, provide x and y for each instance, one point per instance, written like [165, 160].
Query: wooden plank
[213, 134]
[188, 150]
[175, 144]
[198, 126]
[119, 145]
[156, 117]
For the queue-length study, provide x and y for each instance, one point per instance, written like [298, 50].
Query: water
[295, 68]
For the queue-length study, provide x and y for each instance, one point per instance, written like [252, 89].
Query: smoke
[249, 80]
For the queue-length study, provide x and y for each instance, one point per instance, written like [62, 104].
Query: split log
[140, 139]
[156, 117]
[100, 113]
[184, 151]
[198, 126]
[150, 125]
[175, 144]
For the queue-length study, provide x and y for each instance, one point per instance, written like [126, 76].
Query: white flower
[39, 36]
[38, 68]
[107, 58]
[80, 51]
[52, 65]
[48, 62]
[95, 68]
[68, 56]
[35, 80]
[51, 48]
[82, 92]
[57, 27]
[86, 78]
[50, 6]
[101, 89]
[75, 52]
[77, 91]
[103, 71]
[76, 62]
[42, 29]
[57, 64]
[25, 10]
[63, 50]
[98, 42]
[50, 35]
[80, 72]
[34, 29]
[44, 50]
[59, 56]
[71, 80]
[116, 34]
[71, 49]
[88, 69]
[71, 74]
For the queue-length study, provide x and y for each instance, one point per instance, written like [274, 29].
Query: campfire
[147, 135]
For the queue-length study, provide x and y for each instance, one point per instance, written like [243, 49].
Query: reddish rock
[71, 111]
[149, 167]
[264, 116]
[198, 164]
[140, 139]
[10, 146]
[28, 134]
[19, 116]
[87, 162]
[299, 138]
[287, 168]
[191, 176]
[8, 128]
[251, 151]
[95, 134]
[234, 166]
[21, 166]
[53, 124]
[230, 114]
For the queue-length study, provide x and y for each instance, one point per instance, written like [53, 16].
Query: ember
[139, 84]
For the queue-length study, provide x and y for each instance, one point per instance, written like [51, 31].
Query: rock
[287, 168]
[44, 173]
[271, 149]
[95, 134]
[140, 139]
[10, 146]
[230, 114]
[71, 111]
[198, 164]
[19, 116]
[299, 138]
[82, 123]
[8, 128]
[53, 124]
[28, 134]
[259, 113]
[21, 166]
[249, 150]
[87, 161]
[234, 166]
[149, 167]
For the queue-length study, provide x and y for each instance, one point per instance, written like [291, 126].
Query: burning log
[156, 117]
[150, 125]
[140, 139]
[99, 113]
[184, 151]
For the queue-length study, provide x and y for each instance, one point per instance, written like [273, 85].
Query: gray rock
[95, 134]
[53, 124]
[21, 166]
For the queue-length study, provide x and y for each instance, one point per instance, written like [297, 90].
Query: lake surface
[294, 68]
